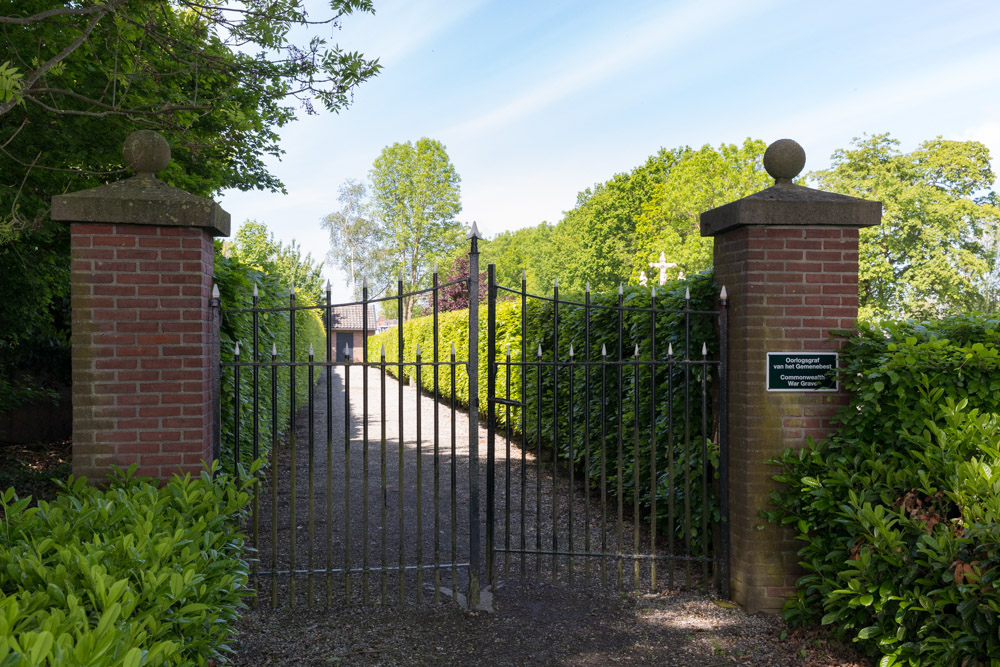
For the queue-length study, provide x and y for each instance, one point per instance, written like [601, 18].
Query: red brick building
[347, 329]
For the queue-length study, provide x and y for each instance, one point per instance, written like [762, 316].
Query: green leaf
[133, 658]
[41, 646]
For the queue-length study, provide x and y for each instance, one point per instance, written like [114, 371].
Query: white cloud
[914, 99]
[401, 26]
[591, 64]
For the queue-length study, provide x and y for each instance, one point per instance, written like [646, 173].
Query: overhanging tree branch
[34, 165]
[162, 110]
[56, 59]
[64, 11]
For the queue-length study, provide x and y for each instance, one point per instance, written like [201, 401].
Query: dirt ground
[32, 469]
[540, 621]
[537, 625]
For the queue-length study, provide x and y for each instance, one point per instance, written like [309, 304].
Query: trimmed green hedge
[898, 511]
[236, 282]
[136, 574]
[453, 328]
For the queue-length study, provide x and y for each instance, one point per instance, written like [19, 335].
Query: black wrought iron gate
[619, 426]
[608, 411]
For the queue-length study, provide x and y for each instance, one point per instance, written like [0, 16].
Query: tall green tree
[532, 250]
[936, 249]
[415, 196]
[77, 78]
[216, 80]
[354, 241]
[255, 245]
[618, 227]
[597, 238]
[698, 181]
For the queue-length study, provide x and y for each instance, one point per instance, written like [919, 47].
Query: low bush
[898, 510]
[677, 449]
[135, 574]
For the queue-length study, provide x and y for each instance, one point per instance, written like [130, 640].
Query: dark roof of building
[349, 318]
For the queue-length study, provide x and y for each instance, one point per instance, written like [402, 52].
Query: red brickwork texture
[141, 348]
[788, 288]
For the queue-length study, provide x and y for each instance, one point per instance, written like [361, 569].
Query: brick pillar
[142, 266]
[788, 257]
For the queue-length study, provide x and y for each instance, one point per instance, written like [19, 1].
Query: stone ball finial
[784, 160]
[146, 152]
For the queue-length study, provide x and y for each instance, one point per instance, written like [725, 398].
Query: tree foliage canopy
[217, 80]
[936, 249]
[255, 245]
[354, 239]
[700, 180]
[407, 224]
[618, 227]
[532, 250]
[935, 252]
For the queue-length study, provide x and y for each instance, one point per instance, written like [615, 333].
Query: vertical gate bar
[604, 471]
[310, 582]
[347, 475]
[437, 446]
[364, 451]
[420, 488]
[636, 470]
[524, 411]
[704, 464]
[571, 466]
[652, 440]
[256, 445]
[671, 500]
[555, 429]
[274, 475]
[620, 390]
[236, 412]
[454, 485]
[724, 441]
[383, 491]
[491, 431]
[507, 433]
[538, 465]
[474, 556]
[292, 448]
[687, 437]
[586, 431]
[215, 313]
[331, 356]
[399, 437]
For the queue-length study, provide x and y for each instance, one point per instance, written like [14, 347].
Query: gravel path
[378, 502]
[381, 618]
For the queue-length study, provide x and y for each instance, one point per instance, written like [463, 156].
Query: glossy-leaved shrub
[135, 574]
[679, 450]
[898, 510]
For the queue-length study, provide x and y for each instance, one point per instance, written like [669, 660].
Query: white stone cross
[662, 265]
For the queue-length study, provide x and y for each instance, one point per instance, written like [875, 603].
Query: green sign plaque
[801, 371]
